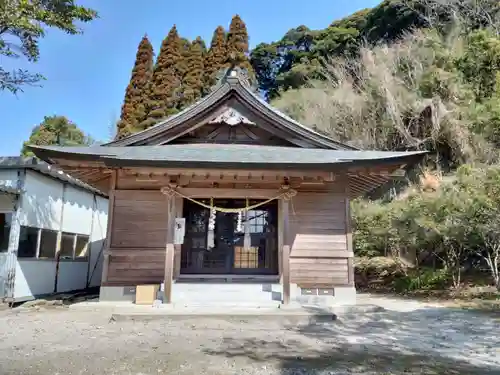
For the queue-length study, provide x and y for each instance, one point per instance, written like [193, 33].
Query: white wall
[72, 275]
[34, 277]
[77, 216]
[8, 177]
[98, 238]
[42, 203]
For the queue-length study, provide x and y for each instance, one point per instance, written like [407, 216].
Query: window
[28, 239]
[5, 224]
[82, 245]
[48, 244]
[67, 245]
[45, 240]
[257, 220]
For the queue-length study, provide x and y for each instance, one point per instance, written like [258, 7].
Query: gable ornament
[231, 117]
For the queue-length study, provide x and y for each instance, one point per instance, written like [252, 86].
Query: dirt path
[421, 341]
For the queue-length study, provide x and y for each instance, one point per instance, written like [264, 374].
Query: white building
[52, 231]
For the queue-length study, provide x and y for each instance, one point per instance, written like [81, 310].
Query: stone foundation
[209, 293]
[117, 294]
[336, 296]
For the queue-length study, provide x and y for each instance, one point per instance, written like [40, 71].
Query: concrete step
[230, 305]
[226, 292]
[204, 287]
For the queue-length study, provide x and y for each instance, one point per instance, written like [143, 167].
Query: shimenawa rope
[286, 193]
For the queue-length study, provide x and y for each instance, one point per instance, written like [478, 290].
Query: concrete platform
[293, 313]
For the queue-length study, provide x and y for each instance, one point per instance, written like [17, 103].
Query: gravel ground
[421, 340]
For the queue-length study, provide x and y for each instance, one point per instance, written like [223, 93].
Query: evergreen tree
[182, 65]
[192, 85]
[133, 106]
[237, 45]
[56, 130]
[166, 80]
[215, 59]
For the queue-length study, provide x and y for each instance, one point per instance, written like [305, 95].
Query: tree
[215, 59]
[481, 190]
[165, 82]
[135, 95]
[237, 45]
[182, 64]
[56, 130]
[22, 26]
[192, 84]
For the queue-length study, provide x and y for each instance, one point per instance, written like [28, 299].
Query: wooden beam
[286, 251]
[228, 193]
[249, 173]
[109, 229]
[170, 249]
[184, 180]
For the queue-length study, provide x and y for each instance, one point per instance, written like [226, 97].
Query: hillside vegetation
[431, 83]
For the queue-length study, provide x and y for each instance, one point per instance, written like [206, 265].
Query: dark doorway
[238, 244]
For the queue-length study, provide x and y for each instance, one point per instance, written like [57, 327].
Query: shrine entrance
[225, 242]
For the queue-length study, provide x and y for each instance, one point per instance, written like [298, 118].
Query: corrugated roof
[32, 163]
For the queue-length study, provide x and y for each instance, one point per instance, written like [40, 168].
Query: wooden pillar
[285, 258]
[350, 247]
[179, 205]
[109, 230]
[170, 248]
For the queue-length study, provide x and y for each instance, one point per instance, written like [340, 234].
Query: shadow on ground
[425, 341]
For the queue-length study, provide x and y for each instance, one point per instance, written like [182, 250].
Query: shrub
[450, 227]
[377, 272]
[426, 279]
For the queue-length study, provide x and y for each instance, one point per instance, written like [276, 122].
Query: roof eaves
[32, 163]
[332, 165]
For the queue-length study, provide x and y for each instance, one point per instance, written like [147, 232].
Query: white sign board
[180, 230]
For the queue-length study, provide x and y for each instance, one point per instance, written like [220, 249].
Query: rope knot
[288, 193]
[168, 191]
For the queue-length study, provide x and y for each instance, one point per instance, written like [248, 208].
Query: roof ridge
[233, 83]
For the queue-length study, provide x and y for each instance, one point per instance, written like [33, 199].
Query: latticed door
[244, 243]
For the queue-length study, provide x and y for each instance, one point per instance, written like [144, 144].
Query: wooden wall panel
[138, 239]
[134, 266]
[319, 255]
[140, 219]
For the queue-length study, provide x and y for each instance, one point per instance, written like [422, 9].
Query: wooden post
[286, 251]
[179, 204]
[109, 229]
[350, 247]
[170, 248]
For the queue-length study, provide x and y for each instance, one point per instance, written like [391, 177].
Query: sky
[87, 74]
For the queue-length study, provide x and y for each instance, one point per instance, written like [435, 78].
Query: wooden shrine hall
[229, 191]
